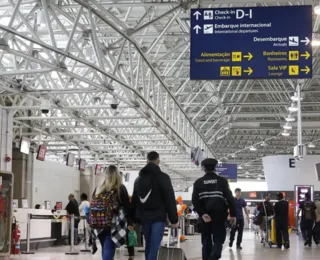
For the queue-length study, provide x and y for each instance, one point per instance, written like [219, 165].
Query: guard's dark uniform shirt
[212, 196]
[211, 190]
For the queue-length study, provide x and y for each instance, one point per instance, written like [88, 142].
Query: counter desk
[43, 232]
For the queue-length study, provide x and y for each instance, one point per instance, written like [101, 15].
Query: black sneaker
[262, 240]
[230, 244]
[287, 245]
[94, 248]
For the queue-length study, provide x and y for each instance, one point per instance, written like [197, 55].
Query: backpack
[308, 208]
[102, 209]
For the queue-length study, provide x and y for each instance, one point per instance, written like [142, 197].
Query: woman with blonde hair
[110, 212]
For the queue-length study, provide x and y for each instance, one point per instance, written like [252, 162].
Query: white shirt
[82, 206]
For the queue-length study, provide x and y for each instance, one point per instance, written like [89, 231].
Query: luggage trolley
[273, 235]
[266, 219]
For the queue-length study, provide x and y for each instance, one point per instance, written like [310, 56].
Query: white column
[6, 136]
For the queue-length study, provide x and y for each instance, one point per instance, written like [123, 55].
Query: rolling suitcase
[190, 230]
[316, 232]
[172, 250]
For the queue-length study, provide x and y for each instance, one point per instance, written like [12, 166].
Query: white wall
[53, 181]
[280, 176]
[129, 185]
[243, 185]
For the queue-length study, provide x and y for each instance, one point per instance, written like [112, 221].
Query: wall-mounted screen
[82, 165]
[25, 145]
[196, 156]
[318, 170]
[70, 159]
[42, 150]
[98, 169]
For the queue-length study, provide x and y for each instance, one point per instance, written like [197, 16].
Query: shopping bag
[132, 239]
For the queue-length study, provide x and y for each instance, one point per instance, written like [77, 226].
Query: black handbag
[258, 220]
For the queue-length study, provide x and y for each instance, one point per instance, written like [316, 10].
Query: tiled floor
[252, 250]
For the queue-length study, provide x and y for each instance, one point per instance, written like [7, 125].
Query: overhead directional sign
[228, 171]
[251, 43]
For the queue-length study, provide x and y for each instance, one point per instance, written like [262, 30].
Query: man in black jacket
[211, 199]
[73, 209]
[281, 216]
[154, 199]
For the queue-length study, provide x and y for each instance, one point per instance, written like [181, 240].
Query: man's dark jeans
[153, 234]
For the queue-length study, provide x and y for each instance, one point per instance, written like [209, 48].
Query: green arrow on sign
[306, 54]
[249, 56]
[306, 70]
[249, 71]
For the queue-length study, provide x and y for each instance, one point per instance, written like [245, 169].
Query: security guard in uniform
[211, 199]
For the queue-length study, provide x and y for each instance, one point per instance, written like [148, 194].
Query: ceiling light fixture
[285, 133]
[41, 18]
[252, 148]
[293, 107]
[311, 145]
[88, 52]
[240, 167]
[316, 9]
[315, 43]
[295, 97]
[287, 126]
[290, 118]
[264, 144]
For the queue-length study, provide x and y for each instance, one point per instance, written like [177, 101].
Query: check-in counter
[42, 230]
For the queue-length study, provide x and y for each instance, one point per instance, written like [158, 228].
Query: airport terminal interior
[89, 84]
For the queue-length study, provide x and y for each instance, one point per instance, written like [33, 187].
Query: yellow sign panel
[225, 71]
[293, 55]
[293, 70]
[236, 71]
[237, 56]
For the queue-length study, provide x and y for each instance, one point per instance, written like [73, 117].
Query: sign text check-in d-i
[251, 43]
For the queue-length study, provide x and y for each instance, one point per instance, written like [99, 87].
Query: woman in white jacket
[84, 203]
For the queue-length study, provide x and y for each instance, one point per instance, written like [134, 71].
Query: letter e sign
[292, 163]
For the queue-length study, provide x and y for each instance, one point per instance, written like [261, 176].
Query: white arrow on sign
[197, 14]
[197, 28]
[306, 41]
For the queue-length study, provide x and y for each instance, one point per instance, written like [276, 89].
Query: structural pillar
[6, 136]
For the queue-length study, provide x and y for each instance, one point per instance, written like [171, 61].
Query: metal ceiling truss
[81, 55]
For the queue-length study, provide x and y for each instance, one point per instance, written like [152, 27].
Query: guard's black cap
[209, 162]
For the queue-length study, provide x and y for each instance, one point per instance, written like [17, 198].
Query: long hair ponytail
[112, 181]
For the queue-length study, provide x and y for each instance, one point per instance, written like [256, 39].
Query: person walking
[153, 198]
[130, 248]
[281, 217]
[316, 229]
[309, 215]
[211, 199]
[112, 198]
[240, 206]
